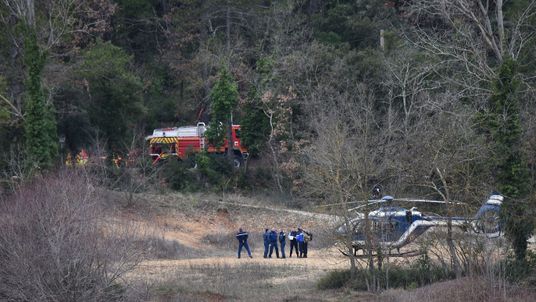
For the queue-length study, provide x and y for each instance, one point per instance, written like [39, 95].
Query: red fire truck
[182, 142]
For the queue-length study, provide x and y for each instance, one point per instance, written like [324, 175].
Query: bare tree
[344, 159]
[452, 164]
[475, 36]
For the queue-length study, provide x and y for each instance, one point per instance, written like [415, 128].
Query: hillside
[138, 136]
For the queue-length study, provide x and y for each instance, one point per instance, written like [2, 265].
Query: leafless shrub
[56, 245]
[465, 289]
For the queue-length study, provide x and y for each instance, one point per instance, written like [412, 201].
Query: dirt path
[320, 216]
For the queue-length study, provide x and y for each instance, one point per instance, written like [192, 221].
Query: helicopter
[394, 227]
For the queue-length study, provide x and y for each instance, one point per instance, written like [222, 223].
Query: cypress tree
[40, 129]
[255, 128]
[224, 97]
[503, 125]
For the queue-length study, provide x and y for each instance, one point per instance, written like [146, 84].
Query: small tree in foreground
[56, 245]
[341, 163]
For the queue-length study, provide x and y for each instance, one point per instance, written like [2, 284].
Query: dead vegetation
[464, 289]
[188, 246]
[55, 246]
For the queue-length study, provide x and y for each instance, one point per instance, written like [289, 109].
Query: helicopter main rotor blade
[350, 202]
[428, 201]
[372, 202]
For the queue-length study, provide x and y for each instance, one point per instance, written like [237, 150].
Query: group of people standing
[298, 239]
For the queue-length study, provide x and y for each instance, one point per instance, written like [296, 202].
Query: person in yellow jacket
[81, 158]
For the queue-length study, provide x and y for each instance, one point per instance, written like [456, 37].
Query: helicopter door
[409, 217]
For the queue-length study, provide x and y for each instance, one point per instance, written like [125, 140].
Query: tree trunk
[277, 176]
[452, 249]
[350, 248]
[228, 29]
[230, 147]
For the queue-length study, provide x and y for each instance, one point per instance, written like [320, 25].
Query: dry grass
[193, 251]
[248, 280]
[465, 289]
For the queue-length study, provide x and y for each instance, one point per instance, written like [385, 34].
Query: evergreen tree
[41, 139]
[511, 171]
[114, 94]
[255, 128]
[224, 97]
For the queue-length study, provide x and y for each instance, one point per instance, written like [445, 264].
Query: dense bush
[420, 273]
[515, 270]
[179, 175]
[204, 171]
[334, 279]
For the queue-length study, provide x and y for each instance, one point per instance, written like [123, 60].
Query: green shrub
[254, 179]
[420, 273]
[515, 270]
[211, 171]
[334, 280]
[179, 175]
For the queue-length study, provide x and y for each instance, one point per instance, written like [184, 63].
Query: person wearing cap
[242, 237]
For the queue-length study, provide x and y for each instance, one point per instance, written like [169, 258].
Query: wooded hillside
[425, 97]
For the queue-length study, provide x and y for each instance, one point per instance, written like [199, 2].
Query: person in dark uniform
[293, 242]
[266, 238]
[282, 242]
[273, 243]
[377, 192]
[242, 237]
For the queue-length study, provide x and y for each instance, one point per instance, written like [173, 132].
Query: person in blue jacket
[266, 238]
[282, 242]
[242, 237]
[301, 242]
[273, 243]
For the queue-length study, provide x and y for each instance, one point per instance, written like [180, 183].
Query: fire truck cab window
[237, 133]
